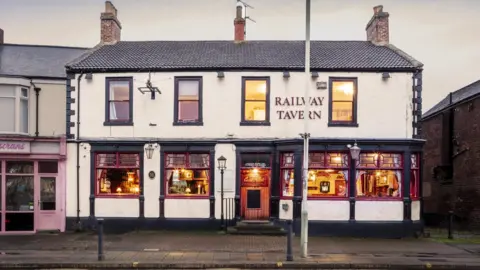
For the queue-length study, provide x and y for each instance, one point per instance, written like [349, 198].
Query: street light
[306, 137]
[354, 151]
[222, 165]
[149, 150]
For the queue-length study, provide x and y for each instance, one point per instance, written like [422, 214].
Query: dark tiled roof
[458, 96]
[36, 60]
[178, 55]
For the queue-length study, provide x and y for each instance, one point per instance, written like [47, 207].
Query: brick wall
[465, 162]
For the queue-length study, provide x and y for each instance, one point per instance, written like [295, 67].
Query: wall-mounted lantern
[149, 150]
[354, 151]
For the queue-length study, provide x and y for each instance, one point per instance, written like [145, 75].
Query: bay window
[117, 174]
[187, 174]
[415, 177]
[119, 101]
[14, 109]
[327, 174]
[379, 175]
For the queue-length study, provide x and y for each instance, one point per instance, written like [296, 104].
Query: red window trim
[379, 167]
[117, 166]
[326, 167]
[415, 171]
[187, 166]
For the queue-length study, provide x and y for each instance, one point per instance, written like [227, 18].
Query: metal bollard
[450, 224]
[289, 241]
[101, 255]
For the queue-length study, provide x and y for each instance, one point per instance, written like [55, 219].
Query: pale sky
[443, 34]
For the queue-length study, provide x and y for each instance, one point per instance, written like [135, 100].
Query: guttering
[77, 140]
[37, 94]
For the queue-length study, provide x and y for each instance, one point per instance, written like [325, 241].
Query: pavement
[201, 250]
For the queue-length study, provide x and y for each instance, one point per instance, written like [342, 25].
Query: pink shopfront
[32, 189]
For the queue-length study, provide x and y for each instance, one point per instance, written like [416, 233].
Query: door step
[250, 227]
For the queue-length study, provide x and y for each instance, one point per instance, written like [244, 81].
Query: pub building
[164, 144]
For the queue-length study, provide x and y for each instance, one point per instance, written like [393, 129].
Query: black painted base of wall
[362, 229]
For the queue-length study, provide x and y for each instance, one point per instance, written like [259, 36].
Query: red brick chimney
[110, 25]
[239, 24]
[377, 28]
[1, 36]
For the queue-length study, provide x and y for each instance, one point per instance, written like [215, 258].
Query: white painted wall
[222, 107]
[415, 210]
[379, 210]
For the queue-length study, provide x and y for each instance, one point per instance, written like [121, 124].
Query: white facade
[383, 113]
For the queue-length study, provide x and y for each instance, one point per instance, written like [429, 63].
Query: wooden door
[255, 194]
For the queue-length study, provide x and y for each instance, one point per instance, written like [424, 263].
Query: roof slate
[36, 60]
[457, 97]
[188, 55]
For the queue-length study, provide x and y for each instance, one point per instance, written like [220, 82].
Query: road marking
[151, 249]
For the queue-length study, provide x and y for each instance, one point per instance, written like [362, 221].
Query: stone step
[235, 231]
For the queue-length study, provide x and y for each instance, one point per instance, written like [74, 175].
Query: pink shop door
[47, 210]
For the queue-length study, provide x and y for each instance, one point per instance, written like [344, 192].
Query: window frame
[187, 161]
[401, 169]
[109, 122]
[18, 98]
[266, 122]
[354, 122]
[117, 154]
[176, 121]
[286, 167]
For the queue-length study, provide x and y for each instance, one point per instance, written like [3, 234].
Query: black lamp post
[222, 165]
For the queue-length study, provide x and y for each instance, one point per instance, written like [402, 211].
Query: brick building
[451, 173]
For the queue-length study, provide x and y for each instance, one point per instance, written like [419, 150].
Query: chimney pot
[378, 29]
[1, 36]
[110, 25]
[239, 25]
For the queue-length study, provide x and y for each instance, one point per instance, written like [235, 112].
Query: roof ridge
[406, 56]
[45, 46]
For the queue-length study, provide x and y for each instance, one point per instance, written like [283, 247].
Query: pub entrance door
[255, 177]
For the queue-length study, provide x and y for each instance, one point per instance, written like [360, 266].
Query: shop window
[379, 175]
[47, 167]
[117, 174]
[119, 100]
[343, 98]
[188, 101]
[286, 174]
[327, 175]
[255, 105]
[415, 177]
[187, 174]
[14, 104]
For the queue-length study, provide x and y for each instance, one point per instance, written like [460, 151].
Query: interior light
[346, 88]
[262, 88]
[255, 171]
[337, 159]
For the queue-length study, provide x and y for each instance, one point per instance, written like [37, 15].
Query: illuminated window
[379, 175]
[343, 92]
[415, 177]
[255, 100]
[327, 174]
[187, 174]
[117, 174]
[188, 98]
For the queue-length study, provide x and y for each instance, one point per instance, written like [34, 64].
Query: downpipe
[77, 139]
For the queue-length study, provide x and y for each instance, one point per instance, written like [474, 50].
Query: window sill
[254, 123]
[106, 123]
[187, 123]
[340, 124]
[98, 196]
[378, 199]
[188, 197]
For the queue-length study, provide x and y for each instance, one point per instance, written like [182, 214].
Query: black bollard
[101, 256]
[289, 241]
[450, 224]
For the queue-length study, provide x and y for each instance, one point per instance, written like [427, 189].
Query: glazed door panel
[255, 194]
[47, 208]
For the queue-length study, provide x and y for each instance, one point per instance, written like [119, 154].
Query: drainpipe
[37, 94]
[78, 149]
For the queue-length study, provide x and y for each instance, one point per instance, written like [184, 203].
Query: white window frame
[18, 98]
